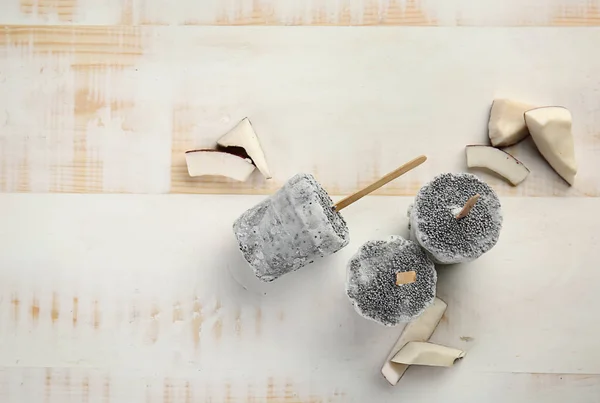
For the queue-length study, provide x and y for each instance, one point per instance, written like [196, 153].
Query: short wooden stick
[345, 202]
[468, 206]
[406, 277]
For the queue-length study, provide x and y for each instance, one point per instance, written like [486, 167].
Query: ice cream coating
[371, 282]
[290, 229]
[433, 222]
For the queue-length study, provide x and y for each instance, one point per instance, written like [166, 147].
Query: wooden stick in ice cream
[467, 208]
[345, 202]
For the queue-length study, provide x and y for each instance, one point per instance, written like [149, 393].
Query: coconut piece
[497, 161]
[550, 128]
[213, 162]
[507, 125]
[420, 329]
[244, 136]
[422, 353]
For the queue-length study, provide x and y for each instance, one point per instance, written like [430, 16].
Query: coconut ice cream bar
[290, 229]
[297, 225]
[391, 281]
[456, 218]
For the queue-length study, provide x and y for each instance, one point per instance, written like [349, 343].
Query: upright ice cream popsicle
[456, 218]
[298, 224]
[391, 281]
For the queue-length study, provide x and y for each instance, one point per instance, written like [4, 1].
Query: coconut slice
[243, 136]
[497, 161]
[507, 125]
[420, 329]
[421, 353]
[213, 162]
[550, 128]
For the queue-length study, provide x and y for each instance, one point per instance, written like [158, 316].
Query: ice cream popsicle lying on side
[298, 224]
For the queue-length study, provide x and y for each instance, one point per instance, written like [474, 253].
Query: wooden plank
[65, 116]
[93, 109]
[56, 385]
[305, 12]
[147, 297]
[113, 109]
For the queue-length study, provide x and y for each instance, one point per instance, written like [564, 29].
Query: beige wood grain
[92, 102]
[131, 298]
[113, 109]
[60, 384]
[51, 80]
[305, 12]
[64, 10]
[404, 168]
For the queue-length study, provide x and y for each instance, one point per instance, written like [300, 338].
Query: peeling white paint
[36, 140]
[129, 258]
[286, 12]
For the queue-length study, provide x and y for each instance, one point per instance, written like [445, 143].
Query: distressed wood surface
[96, 109]
[304, 12]
[121, 298]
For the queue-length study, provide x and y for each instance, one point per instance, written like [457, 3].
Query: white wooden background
[303, 12]
[142, 296]
[145, 298]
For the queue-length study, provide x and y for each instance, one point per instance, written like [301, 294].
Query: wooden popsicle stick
[406, 277]
[468, 206]
[345, 202]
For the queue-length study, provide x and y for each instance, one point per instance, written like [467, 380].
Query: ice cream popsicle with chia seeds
[456, 218]
[298, 224]
[391, 281]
